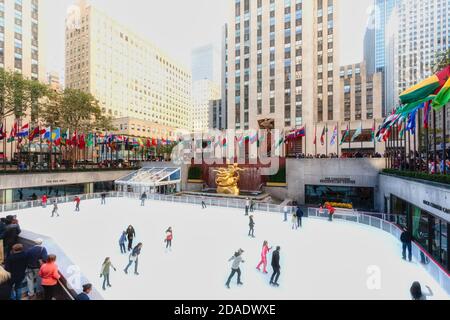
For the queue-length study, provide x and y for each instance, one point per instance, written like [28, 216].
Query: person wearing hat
[84, 296]
[237, 259]
[36, 256]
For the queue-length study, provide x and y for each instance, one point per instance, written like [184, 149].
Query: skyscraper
[206, 63]
[21, 38]
[283, 63]
[127, 74]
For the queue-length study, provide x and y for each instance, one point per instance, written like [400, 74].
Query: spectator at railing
[5, 284]
[16, 264]
[36, 256]
[84, 296]
[418, 294]
[50, 275]
[11, 233]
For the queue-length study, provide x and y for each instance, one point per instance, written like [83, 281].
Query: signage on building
[329, 180]
[436, 206]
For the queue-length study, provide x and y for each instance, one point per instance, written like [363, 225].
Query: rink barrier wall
[384, 223]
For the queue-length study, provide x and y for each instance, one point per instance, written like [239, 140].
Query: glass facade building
[362, 198]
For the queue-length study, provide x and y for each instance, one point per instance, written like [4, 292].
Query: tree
[442, 60]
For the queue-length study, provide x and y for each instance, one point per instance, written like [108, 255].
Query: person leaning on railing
[50, 276]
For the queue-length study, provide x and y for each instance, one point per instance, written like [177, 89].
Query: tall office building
[205, 63]
[21, 38]
[125, 72]
[283, 63]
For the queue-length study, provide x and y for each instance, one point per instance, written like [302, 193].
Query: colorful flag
[373, 132]
[315, 136]
[426, 114]
[47, 133]
[322, 137]
[411, 126]
[24, 131]
[81, 142]
[334, 136]
[443, 97]
[34, 133]
[2, 132]
[90, 140]
[358, 132]
[56, 135]
[345, 135]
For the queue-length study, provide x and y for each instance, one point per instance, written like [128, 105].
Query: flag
[411, 126]
[426, 114]
[34, 133]
[322, 137]
[47, 133]
[315, 135]
[443, 97]
[56, 135]
[345, 135]
[90, 140]
[334, 136]
[357, 133]
[24, 131]
[401, 130]
[2, 132]
[426, 87]
[148, 143]
[81, 141]
[373, 132]
[224, 142]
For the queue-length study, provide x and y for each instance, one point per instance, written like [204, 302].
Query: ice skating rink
[322, 260]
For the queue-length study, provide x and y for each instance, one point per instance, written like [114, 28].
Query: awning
[152, 177]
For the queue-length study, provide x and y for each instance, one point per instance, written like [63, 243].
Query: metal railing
[387, 223]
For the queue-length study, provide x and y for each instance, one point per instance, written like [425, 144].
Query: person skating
[203, 203]
[331, 212]
[418, 294]
[143, 198]
[55, 209]
[294, 221]
[264, 252]
[122, 240]
[285, 212]
[406, 240]
[130, 235]
[36, 256]
[44, 201]
[168, 239]
[299, 216]
[106, 268]
[251, 231]
[77, 203]
[247, 206]
[276, 267]
[252, 204]
[103, 196]
[237, 259]
[16, 264]
[134, 257]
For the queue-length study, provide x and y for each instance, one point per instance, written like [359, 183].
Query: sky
[178, 26]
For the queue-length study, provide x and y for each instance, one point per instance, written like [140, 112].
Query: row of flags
[57, 137]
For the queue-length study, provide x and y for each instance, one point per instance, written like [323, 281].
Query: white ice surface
[322, 260]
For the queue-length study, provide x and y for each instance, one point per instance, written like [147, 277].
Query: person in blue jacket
[84, 296]
[122, 240]
[16, 264]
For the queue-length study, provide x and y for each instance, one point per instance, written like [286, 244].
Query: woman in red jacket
[264, 252]
[50, 275]
[168, 240]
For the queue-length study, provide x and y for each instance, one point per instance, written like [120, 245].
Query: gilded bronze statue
[227, 179]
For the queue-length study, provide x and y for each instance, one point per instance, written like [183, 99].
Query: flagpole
[374, 138]
[444, 134]
[326, 140]
[349, 138]
[29, 148]
[337, 139]
[315, 138]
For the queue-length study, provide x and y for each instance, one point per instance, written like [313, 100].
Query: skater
[122, 240]
[168, 239]
[299, 216]
[252, 204]
[106, 268]
[130, 235]
[406, 240]
[331, 212]
[237, 259]
[320, 210]
[103, 196]
[37, 255]
[77, 203]
[418, 294]
[55, 209]
[143, 198]
[264, 252]
[84, 296]
[294, 221]
[251, 231]
[276, 267]
[134, 257]
[44, 201]
[285, 212]
[16, 264]
[247, 206]
[203, 203]
[50, 275]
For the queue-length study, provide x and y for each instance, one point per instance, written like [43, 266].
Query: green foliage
[442, 60]
[445, 179]
[195, 173]
[280, 177]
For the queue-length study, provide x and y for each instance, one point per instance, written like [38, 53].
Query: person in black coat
[276, 267]
[299, 216]
[16, 264]
[130, 235]
[251, 231]
[11, 235]
[406, 239]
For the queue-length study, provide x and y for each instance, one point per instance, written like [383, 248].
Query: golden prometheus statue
[227, 179]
